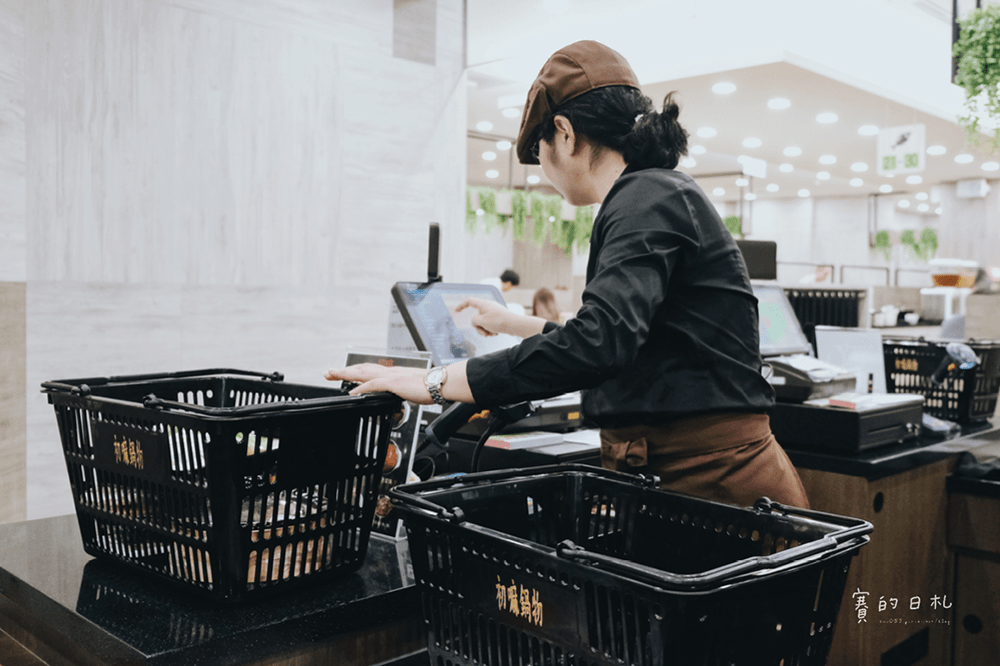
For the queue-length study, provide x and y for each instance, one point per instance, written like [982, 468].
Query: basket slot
[292, 560]
[612, 624]
[195, 397]
[243, 397]
[74, 428]
[188, 460]
[191, 564]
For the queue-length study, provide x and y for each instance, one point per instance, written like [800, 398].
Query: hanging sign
[901, 149]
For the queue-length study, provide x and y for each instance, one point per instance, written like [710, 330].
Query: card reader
[799, 377]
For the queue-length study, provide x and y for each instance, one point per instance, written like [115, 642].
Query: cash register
[423, 317]
[819, 405]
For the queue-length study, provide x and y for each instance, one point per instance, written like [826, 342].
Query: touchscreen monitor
[430, 316]
[780, 331]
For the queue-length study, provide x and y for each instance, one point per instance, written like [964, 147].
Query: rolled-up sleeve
[638, 239]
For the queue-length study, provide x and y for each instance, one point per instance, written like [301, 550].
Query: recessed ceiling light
[484, 126]
[718, 191]
[489, 156]
[742, 182]
[936, 150]
[534, 179]
[826, 118]
[688, 162]
[778, 103]
[786, 168]
[904, 203]
[990, 166]
[914, 179]
[742, 159]
[503, 145]
[885, 189]
[868, 130]
[492, 173]
[921, 196]
[697, 149]
[857, 182]
[923, 208]
[792, 151]
[752, 142]
[511, 112]
[823, 175]
[827, 159]
[803, 193]
[939, 210]
[749, 196]
[963, 158]
[724, 88]
[773, 187]
[706, 132]
[859, 167]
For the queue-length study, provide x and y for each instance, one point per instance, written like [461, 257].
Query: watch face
[434, 376]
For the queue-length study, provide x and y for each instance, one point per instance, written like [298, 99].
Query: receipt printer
[800, 377]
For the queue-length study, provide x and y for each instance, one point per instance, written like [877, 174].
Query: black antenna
[433, 253]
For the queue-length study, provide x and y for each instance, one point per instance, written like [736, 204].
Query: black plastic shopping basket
[576, 565]
[232, 484]
[965, 396]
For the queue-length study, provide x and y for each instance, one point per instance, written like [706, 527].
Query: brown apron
[730, 458]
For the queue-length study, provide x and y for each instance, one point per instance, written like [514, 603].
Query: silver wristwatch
[434, 380]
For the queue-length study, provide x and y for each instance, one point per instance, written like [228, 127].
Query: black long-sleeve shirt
[668, 325]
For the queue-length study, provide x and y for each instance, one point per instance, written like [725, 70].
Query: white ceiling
[810, 87]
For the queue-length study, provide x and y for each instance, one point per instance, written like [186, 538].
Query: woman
[665, 344]
[543, 305]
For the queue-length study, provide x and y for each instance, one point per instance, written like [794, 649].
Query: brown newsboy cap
[568, 73]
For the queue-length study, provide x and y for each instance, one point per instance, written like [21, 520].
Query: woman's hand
[494, 318]
[407, 383]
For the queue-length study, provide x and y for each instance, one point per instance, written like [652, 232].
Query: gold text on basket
[520, 601]
[128, 452]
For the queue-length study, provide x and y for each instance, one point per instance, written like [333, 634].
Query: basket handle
[82, 386]
[710, 579]
[151, 401]
[408, 490]
[853, 527]
[406, 498]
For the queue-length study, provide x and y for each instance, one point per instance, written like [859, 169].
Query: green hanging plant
[977, 51]
[539, 222]
[928, 243]
[519, 213]
[567, 235]
[925, 248]
[488, 204]
[584, 224]
[553, 215]
[883, 244]
[546, 215]
[734, 223]
[471, 216]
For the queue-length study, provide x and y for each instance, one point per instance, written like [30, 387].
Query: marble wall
[218, 183]
[12, 142]
[12, 262]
